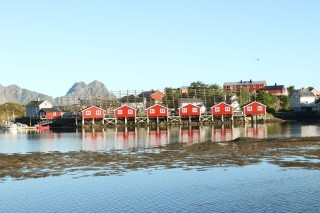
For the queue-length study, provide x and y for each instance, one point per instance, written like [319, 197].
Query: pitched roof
[50, 109]
[243, 83]
[91, 107]
[34, 103]
[304, 93]
[274, 87]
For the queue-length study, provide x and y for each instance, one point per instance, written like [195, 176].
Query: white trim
[120, 112]
[228, 109]
[162, 111]
[152, 111]
[88, 112]
[184, 110]
[98, 112]
[194, 109]
[217, 109]
[260, 108]
[130, 112]
[249, 108]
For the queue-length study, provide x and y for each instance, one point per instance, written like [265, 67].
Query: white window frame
[217, 109]
[152, 111]
[249, 108]
[54, 114]
[120, 112]
[130, 112]
[194, 110]
[88, 112]
[162, 111]
[98, 112]
[228, 109]
[260, 108]
[260, 85]
[184, 110]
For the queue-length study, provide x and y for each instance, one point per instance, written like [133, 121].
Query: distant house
[50, 113]
[33, 108]
[184, 90]
[278, 90]
[153, 96]
[136, 102]
[255, 108]
[303, 100]
[250, 85]
[189, 110]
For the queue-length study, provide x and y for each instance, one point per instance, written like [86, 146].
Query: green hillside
[10, 109]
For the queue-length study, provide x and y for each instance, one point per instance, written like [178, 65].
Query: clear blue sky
[47, 46]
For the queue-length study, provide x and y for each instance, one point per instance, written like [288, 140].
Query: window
[260, 85]
[249, 108]
[152, 111]
[98, 112]
[254, 86]
[227, 109]
[184, 110]
[130, 112]
[88, 112]
[217, 109]
[194, 109]
[54, 114]
[260, 108]
[162, 111]
[120, 112]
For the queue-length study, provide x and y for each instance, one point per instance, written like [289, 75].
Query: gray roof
[304, 93]
[243, 83]
[274, 87]
[34, 103]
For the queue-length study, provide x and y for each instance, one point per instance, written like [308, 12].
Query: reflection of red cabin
[222, 109]
[189, 110]
[50, 113]
[92, 112]
[254, 108]
[125, 112]
[157, 111]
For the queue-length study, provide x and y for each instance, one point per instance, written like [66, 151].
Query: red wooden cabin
[125, 112]
[157, 96]
[50, 113]
[254, 108]
[92, 112]
[157, 110]
[221, 109]
[189, 110]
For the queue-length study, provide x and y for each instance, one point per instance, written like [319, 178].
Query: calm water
[124, 139]
[256, 188]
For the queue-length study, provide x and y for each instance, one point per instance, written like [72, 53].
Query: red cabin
[221, 109]
[125, 112]
[50, 113]
[254, 108]
[189, 110]
[157, 111]
[92, 112]
[158, 96]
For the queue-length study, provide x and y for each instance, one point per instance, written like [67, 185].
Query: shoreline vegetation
[292, 152]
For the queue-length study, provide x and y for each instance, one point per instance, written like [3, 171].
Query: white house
[196, 102]
[303, 100]
[33, 108]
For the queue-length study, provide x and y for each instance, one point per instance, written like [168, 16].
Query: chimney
[241, 81]
[250, 81]
[275, 84]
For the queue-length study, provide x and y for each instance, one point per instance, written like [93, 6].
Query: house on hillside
[50, 113]
[304, 100]
[253, 86]
[278, 90]
[136, 102]
[33, 108]
[153, 96]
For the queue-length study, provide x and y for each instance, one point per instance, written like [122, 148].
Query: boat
[9, 125]
[43, 127]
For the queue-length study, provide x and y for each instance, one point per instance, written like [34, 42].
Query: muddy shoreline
[294, 152]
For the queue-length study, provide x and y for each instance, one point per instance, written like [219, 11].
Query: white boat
[9, 125]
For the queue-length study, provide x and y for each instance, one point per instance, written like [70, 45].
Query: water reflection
[141, 138]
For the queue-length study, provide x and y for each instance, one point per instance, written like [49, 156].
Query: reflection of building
[222, 134]
[93, 141]
[126, 139]
[157, 138]
[256, 131]
[190, 136]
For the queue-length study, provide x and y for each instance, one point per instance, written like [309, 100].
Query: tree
[285, 102]
[271, 101]
[244, 96]
[290, 90]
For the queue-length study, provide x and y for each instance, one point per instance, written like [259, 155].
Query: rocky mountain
[15, 94]
[83, 91]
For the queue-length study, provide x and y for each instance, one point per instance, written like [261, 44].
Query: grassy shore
[286, 152]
